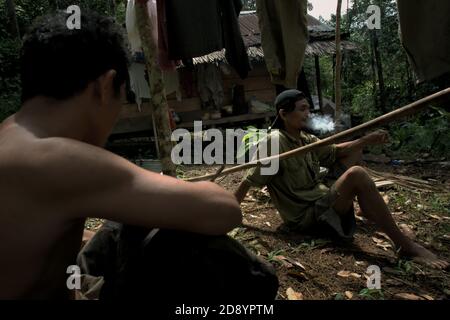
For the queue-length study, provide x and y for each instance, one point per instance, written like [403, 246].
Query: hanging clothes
[425, 34]
[138, 83]
[172, 83]
[284, 36]
[210, 88]
[163, 49]
[132, 27]
[199, 27]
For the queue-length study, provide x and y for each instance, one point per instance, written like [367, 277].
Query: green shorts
[321, 218]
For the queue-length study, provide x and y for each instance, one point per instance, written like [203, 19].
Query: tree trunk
[112, 5]
[337, 83]
[374, 73]
[379, 67]
[13, 24]
[157, 91]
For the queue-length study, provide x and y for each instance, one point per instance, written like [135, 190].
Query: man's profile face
[298, 118]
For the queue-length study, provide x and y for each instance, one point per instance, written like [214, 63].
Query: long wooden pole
[158, 99]
[405, 111]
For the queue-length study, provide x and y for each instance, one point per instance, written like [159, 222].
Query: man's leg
[357, 182]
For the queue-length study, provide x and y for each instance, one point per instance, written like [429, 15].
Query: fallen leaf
[268, 224]
[344, 274]
[386, 199]
[408, 202]
[384, 235]
[435, 217]
[349, 294]
[407, 296]
[293, 295]
[428, 297]
[360, 263]
[298, 275]
[355, 275]
[296, 263]
[282, 260]
[376, 240]
[397, 213]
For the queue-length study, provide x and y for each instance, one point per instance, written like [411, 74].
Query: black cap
[288, 98]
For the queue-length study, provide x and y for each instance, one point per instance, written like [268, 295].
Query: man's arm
[348, 148]
[85, 181]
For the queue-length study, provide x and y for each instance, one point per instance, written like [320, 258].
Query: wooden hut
[257, 85]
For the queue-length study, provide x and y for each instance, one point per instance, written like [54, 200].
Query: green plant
[371, 294]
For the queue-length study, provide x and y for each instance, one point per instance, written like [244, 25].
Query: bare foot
[423, 256]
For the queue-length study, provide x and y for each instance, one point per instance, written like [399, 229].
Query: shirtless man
[303, 200]
[53, 170]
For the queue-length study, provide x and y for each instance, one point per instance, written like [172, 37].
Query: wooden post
[318, 82]
[337, 83]
[158, 99]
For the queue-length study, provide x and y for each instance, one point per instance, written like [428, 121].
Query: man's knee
[359, 175]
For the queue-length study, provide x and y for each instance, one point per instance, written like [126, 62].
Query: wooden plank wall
[257, 85]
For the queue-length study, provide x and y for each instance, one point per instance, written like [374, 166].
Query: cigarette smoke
[321, 124]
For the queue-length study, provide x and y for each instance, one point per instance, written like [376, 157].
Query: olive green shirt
[298, 183]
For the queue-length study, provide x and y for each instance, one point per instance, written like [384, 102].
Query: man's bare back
[54, 172]
[36, 244]
[49, 185]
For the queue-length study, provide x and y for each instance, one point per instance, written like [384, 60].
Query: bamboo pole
[405, 111]
[160, 107]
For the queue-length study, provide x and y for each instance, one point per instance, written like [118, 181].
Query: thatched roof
[321, 40]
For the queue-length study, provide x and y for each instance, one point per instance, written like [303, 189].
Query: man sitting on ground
[305, 203]
[55, 173]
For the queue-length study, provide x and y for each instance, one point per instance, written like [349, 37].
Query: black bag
[175, 266]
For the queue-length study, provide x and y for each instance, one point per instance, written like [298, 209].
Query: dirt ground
[312, 268]
[320, 269]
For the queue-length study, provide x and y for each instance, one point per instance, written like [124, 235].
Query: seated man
[54, 172]
[305, 203]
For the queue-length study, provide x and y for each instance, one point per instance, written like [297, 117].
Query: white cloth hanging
[132, 27]
[138, 83]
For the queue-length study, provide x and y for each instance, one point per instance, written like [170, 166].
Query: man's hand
[376, 138]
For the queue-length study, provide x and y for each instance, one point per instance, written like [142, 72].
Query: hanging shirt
[425, 34]
[284, 36]
[199, 27]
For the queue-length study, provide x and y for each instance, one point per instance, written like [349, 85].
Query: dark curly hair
[58, 62]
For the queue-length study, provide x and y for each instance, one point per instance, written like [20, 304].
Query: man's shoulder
[51, 163]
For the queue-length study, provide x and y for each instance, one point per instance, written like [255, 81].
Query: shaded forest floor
[320, 269]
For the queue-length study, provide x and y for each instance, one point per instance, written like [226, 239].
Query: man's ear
[106, 86]
[282, 114]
